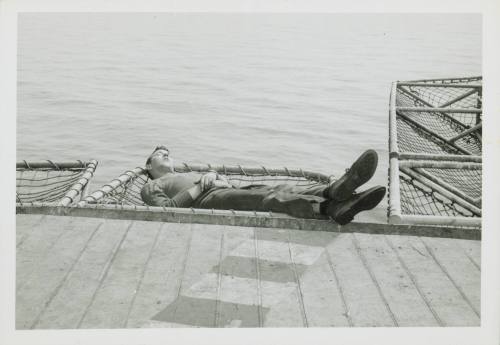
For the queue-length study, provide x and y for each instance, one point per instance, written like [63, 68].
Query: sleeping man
[337, 200]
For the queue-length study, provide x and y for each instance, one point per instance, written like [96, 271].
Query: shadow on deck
[84, 272]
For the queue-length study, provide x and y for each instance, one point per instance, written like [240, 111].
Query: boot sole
[345, 188]
[371, 198]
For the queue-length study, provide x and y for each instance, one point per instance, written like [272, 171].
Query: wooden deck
[79, 272]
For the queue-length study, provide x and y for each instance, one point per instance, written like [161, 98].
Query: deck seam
[143, 272]
[299, 289]
[49, 249]
[415, 283]
[340, 290]
[219, 279]
[184, 264]
[374, 280]
[259, 288]
[455, 284]
[31, 232]
[104, 274]
[469, 257]
[474, 263]
[65, 278]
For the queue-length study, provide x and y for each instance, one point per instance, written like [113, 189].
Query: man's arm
[194, 191]
[213, 179]
[153, 195]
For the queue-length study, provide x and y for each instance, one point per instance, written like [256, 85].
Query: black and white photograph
[277, 170]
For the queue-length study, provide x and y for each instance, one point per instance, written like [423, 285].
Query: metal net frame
[55, 183]
[126, 189]
[435, 148]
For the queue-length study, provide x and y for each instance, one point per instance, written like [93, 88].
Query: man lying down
[213, 191]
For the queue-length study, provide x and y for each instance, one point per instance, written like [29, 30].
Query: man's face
[160, 163]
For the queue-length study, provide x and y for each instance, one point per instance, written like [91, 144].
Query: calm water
[297, 90]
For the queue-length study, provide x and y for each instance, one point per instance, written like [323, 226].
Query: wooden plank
[323, 301]
[458, 268]
[403, 298]
[162, 277]
[282, 298]
[25, 225]
[110, 306]
[196, 301]
[237, 291]
[69, 304]
[37, 246]
[275, 270]
[37, 290]
[364, 303]
[258, 277]
[440, 293]
[233, 282]
[473, 251]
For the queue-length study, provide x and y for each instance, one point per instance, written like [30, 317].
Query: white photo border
[488, 333]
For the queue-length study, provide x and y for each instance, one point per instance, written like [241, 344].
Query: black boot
[360, 172]
[343, 212]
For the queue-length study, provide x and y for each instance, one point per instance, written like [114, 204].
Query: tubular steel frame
[130, 175]
[414, 163]
[75, 192]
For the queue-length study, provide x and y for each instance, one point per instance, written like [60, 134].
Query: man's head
[159, 163]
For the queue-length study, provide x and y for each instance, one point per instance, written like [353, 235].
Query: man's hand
[222, 183]
[207, 181]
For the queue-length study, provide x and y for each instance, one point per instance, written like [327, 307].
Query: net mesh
[129, 192]
[413, 139]
[440, 133]
[466, 180]
[446, 96]
[420, 199]
[446, 125]
[46, 184]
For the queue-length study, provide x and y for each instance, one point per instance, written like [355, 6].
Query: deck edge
[277, 221]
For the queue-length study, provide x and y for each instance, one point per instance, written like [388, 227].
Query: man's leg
[317, 190]
[342, 203]
[342, 189]
[336, 200]
[344, 211]
[279, 199]
[358, 174]
[262, 198]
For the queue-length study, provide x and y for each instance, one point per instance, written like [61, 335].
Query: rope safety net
[52, 182]
[441, 119]
[126, 189]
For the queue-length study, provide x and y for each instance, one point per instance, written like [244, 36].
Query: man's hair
[148, 161]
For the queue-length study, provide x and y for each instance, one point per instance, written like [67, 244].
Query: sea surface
[306, 91]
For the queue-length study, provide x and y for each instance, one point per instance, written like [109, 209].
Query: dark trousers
[259, 198]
